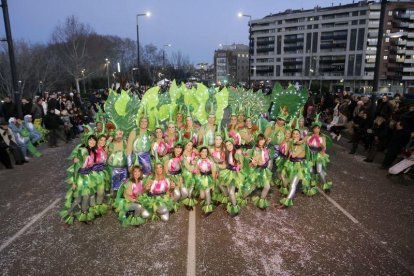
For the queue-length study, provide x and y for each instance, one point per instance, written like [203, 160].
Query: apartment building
[231, 63]
[336, 46]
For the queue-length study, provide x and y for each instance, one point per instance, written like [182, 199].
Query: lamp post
[132, 72]
[138, 56]
[40, 88]
[107, 62]
[163, 54]
[83, 76]
[250, 32]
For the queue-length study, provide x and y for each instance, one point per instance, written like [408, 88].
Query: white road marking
[375, 238]
[354, 220]
[191, 249]
[21, 231]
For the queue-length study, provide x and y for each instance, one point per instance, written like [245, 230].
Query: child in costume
[297, 168]
[189, 157]
[158, 201]
[117, 161]
[173, 168]
[232, 177]
[81, 182]
[318, 157]
[262, 175]
[206, 174]
[127, 200]
[101, 174]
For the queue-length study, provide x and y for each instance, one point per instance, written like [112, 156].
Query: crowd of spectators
[59, 115]
[377, 124]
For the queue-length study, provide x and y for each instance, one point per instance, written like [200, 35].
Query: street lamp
[250, 32]
[83, 76]
[40, 88]
[132, 72]
[138, 15]
[107, 62]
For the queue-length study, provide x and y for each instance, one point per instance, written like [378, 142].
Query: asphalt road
[364, 227]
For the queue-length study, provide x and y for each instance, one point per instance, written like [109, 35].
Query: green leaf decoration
[121, 103]
[256, 102]
[202, 96]
[289, 98]
[222, 100]
[174, 92]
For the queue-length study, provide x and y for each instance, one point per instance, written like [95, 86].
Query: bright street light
[148, 14]
[240, 14]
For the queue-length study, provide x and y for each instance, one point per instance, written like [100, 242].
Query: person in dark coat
[360, 129]
[8, 109]
[399, 139]
[53, 123]
[53, 103]
[26, 106]
[37, 109]
[384, 108]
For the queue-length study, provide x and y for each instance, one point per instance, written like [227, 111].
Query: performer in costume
[117, 161]
[298, 169]
[319, 158]
[158, 201]
[208, 129]
[171, 136]
[232, 177]
[127, 200]
[189, 157]
[190, 130]
[102, 176]
[159, 145]
[262, 176]
[180, 118]
[139, 145]
[206, 174]
[248, 133]
[304, 131]
[173, 168]
[217, 153]
[81, 182]
[281, 160]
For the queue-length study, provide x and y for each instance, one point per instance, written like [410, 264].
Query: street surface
[363, 227]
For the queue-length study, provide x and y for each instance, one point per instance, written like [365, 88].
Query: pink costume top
[264, 154]
[161, 148]
[89, 160]
[236, 136]
[101, 156]
[218, 156]
[315, 143]
[160, 186]
[174, 165]
[137, 189]
[190, 159]
[170, 142]
[283, 149]
[204, 165]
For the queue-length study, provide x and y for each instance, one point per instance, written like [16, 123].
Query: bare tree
[71, 39]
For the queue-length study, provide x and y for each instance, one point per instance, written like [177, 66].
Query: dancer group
[147, 158]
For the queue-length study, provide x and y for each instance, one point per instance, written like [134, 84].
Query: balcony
[409, 52]
[371, 51]
[410, 34]
[408, 77]
[400, 51]
[410, 43]
[400, 60]
[372, 34]
[372, 42]
[369, 65]
[408, 69]
[409, 60]
[374, 15]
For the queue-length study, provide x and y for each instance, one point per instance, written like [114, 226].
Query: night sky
[196, 27]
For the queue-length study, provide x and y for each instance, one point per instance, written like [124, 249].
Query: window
[388, 31]
[387, 39]
[360, 43]
[390, 13]
[362, 21]
[352, 41]
[309, 27]
[362, 12]
[354, 22]
[385, 57]
[355, 13]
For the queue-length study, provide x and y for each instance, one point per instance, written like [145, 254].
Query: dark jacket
[37, 111]
[9, 110]
[52, 121]
[53, 104]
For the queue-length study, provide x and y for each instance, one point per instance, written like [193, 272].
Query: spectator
[408, 161]
[34, 135]
[9, 140]
[37, 109]
[398, 140]
[21, 141]
[337, 125]
[53, 103]
[9, 109]
[26, 106]
[384, 108]
[377, 138]
[53, 123]
[67, 125]
[360, 129]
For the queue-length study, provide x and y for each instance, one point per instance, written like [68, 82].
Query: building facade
[231, 64]
[336, 46]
